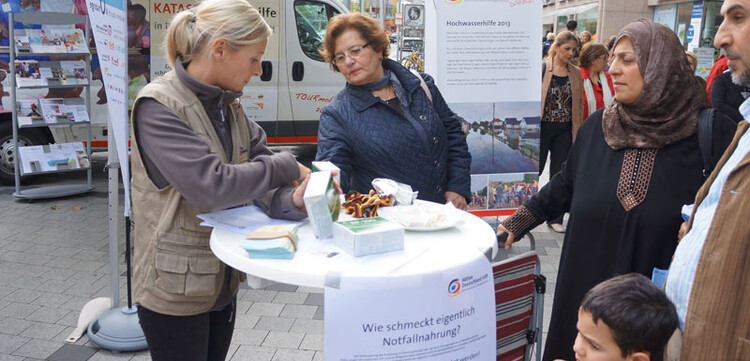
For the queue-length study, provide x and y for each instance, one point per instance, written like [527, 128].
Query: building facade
[695, 22]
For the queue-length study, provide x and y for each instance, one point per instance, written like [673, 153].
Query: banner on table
[445, 315]
[486, 56]
[109, 26]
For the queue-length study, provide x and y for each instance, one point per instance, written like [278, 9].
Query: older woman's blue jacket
[425, 147]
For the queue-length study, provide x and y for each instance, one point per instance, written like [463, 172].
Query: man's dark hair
[639, 314]
[611, 42]
[571, 25]
[138, 10]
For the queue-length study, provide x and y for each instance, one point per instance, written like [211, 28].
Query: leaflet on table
[378, 264]
[50, 41]
[242, 220]
[53, 157]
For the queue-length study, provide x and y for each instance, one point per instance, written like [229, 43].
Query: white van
[286, 100]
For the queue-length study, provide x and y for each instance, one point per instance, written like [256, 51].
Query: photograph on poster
[511, 190]
[502, 137]
[478, 199]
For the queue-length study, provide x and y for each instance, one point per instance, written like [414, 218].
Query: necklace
[386, 93]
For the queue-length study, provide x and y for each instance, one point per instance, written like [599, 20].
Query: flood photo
[511, 190]
[502, 137]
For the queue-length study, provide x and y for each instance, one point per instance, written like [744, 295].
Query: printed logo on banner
[454, 288]
[452, 2]
[466, 283]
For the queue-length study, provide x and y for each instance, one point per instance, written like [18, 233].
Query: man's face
[734, 37]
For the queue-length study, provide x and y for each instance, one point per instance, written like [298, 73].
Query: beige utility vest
[175, 272]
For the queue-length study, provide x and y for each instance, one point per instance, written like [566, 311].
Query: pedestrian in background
[598, 91]
[562, 107]
[728, 95]
[547, 44]
[692, 60]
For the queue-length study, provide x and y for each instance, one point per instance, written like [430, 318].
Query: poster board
[486, 59]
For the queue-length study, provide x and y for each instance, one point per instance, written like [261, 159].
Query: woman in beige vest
[194, 151]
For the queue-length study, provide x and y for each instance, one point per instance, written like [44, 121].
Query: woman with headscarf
[632, 167]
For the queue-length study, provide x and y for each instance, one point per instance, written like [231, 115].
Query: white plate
[417, 217]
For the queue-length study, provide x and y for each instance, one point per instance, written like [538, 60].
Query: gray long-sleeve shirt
[174, 155]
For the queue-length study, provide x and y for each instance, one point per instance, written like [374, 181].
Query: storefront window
[711, 24]
[587, 21]
[684, 16]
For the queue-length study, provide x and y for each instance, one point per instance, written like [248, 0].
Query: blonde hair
[562, 38]
[191, 30]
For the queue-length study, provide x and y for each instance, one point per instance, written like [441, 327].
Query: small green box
[322, 203]
[360, 237]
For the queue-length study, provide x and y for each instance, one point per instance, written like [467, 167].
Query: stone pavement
[54, 259]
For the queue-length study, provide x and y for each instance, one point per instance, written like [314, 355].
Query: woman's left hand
[458, 200]
[299, 192]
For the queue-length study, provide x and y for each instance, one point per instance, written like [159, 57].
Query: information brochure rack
[67, 69]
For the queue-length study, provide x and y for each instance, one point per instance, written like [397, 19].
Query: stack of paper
[272, 242]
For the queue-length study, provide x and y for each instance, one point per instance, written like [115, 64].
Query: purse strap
[705, 136]
[423, 84]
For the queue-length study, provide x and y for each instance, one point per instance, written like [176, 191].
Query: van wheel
[26, 137]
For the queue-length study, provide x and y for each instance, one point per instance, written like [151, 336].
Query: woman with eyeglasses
[389, 122]
[598, 91]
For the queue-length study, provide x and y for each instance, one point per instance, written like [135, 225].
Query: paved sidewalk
[54, 259]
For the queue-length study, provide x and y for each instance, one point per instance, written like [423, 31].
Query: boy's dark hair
[639, 314]
[571, 25]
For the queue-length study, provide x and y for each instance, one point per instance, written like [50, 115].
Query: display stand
[33, 74]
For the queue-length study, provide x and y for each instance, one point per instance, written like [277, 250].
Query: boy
[626, 318]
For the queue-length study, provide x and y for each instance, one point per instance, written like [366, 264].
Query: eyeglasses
[354, 53]
[603, 57]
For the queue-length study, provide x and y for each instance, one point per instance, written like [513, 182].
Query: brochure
[53, 157]
[74, 72]
[74, 41]
[22, 43]
[46, 41]
[28, 74]
[51, 109]
[74, 112]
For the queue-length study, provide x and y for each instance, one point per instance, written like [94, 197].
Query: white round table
[424, 252]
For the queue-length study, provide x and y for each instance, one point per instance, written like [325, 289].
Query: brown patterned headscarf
[667, 110]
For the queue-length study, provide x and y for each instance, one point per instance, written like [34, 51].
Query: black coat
[726, 96]
[602, 238]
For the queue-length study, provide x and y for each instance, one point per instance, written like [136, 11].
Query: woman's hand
[458, 200]
[511, 237]
[299, 192]
[303, 171]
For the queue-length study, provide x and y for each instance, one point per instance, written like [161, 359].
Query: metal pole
[113, 172]
[382, 14]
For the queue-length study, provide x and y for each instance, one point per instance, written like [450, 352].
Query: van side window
[312, 18]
